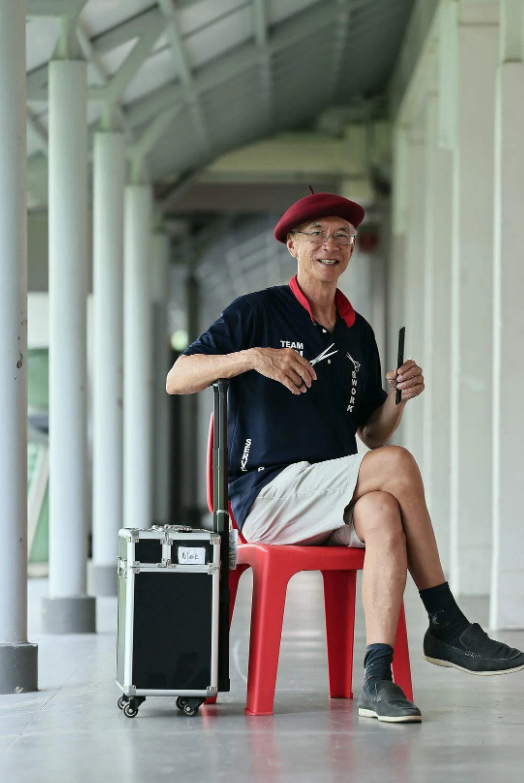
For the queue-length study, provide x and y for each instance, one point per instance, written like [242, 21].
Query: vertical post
[108, 277]
[190, 416]
[162, 361]
[68, 609]
[395, 270]
[18, 658]
[414, 287]
[137, 357]
[507, 582]
[437, 336]
[471, 373]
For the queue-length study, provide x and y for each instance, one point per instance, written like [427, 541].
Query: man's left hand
[408, 379]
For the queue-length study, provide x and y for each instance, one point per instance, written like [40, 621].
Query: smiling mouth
[327, 261]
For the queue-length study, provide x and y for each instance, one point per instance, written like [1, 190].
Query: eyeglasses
[319, 237]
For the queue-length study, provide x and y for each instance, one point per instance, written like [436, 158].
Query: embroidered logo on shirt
[245, 455]
[356, 365]
[354, 380]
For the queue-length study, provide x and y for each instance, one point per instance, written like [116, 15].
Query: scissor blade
[324, 355]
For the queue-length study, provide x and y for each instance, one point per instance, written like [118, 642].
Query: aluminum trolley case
[173, 603]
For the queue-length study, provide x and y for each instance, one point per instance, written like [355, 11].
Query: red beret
[318, 205]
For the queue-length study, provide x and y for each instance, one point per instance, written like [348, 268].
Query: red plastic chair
[273, 566]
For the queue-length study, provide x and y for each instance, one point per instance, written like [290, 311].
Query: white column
[395, 270]
[414, 289]
[437, 336]
[18, 659]
[162, 361]
[108, 283]
[68, 609]
[507, 596]
[137, 358]
[472, 302]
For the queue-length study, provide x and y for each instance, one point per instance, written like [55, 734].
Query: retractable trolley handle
[221, 523]
[220, 459]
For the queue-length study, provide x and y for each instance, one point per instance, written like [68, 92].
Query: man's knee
[386, 468]
[378, 514]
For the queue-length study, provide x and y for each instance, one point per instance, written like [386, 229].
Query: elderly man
[305, 379]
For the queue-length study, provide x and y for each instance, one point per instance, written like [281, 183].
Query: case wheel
[130, 710]
[189, 707]
[121, 702]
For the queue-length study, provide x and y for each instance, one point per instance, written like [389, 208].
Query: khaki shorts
[307, 504]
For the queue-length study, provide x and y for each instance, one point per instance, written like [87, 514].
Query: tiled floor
[71, 730]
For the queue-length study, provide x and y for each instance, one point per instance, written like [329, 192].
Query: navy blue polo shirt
[270, 428]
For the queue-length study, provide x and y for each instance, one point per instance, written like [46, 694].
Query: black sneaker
[475, 653]
[388, 704]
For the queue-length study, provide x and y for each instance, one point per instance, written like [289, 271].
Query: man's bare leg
[394, 470]
[379, 525]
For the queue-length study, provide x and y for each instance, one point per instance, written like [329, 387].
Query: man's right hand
[286, 366]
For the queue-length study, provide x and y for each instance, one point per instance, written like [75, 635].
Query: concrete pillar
[507, 583]
[414, 289]
[68, 609]
[162, 363]
[138, 340]
[18, 658]
[476, 40]
[437, 336]
[395, 267]
[108, 279]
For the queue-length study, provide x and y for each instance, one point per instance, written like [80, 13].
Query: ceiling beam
[233, 63]
[93, 58]
[37, 130]
[154, 131]
[261, 24]
[341, 35]
[183, 67]
[50, 8]
[114, 89]
[126, 31]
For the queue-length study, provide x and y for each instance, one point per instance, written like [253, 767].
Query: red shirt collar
[342, 302]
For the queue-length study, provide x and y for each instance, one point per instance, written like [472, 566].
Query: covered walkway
[147, 149]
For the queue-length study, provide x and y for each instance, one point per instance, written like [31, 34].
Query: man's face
[322, 247]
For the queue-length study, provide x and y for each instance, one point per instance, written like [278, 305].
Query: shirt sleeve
[374, 395]
[233, 331]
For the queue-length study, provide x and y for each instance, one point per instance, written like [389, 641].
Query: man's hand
[408, 379]
[286, 366]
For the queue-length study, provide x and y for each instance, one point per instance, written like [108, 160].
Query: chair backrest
[209, 477]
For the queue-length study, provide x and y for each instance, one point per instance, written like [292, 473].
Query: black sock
[377, 665]
[445, 618]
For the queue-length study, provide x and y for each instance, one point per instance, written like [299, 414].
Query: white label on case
[191, 555]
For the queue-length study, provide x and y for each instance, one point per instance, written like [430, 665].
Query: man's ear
[290, 243]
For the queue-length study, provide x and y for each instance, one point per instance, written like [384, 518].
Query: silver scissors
[324, 354]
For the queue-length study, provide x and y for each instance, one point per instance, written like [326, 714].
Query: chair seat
[303, 558]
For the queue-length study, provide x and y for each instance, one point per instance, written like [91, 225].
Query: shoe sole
[389, 718]
[450, 665]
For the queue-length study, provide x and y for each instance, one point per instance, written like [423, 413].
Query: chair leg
[401, 666]
[339, 600]
[234, 578]
[267, 614]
